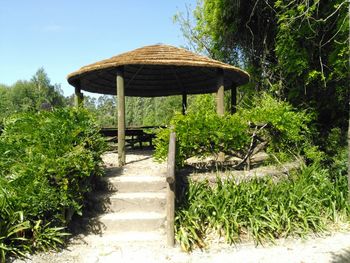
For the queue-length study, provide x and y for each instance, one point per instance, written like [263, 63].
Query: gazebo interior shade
[157, 70]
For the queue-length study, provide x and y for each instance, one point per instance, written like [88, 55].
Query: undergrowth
[47, 162]
[267, 125]
[261, 209]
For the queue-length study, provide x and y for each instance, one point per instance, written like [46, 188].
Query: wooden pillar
[184, 103]
[220, 104]
[233, 99]
[121, 116]
[78, 97]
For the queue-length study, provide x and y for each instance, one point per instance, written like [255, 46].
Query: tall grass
[261, 209]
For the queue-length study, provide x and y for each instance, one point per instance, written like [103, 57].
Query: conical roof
[157, 70]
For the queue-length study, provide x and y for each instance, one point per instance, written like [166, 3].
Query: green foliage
[103, 108]
[262, 209]
[202, 103]
[203, 133]
[46, 237]
[313, 60]
[151, 111]
[298, 50]
[33, 95]
[47, 162]
[12, 228]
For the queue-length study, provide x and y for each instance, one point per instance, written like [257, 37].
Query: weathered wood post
[184, 103]
[121, 116]
[170, 178]
[78, 97]
[220, 104]
[233, 99]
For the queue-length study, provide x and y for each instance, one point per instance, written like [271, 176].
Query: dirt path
[95, 249]
[334, 248]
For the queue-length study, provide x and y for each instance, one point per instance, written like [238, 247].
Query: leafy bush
[266, 123]
[261, 208]
[47, 162]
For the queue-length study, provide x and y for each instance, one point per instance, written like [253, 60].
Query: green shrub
[266, 122]
[47, 162]
[261, 208]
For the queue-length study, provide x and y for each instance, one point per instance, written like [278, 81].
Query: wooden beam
[184, 103]
[220, 106]
[121, 116]
[233, 99]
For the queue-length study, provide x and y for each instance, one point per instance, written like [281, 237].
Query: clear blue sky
[64, 35]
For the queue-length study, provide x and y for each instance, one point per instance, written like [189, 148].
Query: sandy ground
[333, 247]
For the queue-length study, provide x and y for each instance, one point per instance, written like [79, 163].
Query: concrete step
[135, 183]
[130, 202]
[131, 222]
[134, 170]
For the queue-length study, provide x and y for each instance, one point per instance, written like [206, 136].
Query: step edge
[135, 178]
[132, 216]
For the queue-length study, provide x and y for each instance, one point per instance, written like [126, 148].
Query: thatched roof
[157, 70]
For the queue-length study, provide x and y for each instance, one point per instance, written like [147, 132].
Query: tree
[297, 50]
[313, 60]
[45, 92]
[30, 95]
[239, 32]
[5, 103]
[106, 111]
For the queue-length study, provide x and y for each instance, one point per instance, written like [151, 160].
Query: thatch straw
[157, 70]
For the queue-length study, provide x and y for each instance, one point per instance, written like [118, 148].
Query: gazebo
[154, 71]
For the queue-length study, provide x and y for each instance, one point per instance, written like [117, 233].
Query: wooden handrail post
[170, 178]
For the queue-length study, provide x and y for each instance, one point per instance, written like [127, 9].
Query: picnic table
[133, 135]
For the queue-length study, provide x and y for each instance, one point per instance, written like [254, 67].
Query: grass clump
[261, 209]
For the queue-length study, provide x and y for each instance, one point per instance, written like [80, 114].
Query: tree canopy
[297, 50]
[30, 95]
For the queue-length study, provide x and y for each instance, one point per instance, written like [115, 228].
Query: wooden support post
[184, 103]
[121, 116]
[170, 178]
[81, 99]
[233, 99]
[220, 104]
[78, 97]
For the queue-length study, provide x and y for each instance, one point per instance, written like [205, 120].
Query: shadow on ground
[341, 257]
[97, 203]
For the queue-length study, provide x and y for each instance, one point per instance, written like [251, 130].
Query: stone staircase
[131, 203]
